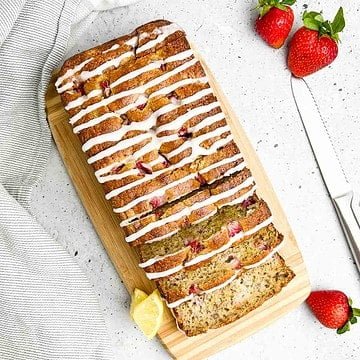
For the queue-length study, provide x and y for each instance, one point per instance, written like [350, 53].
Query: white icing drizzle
[228, 281]
[195, 142]
[192, 296]
[118, 147]
[206, 169]
[203, 257]
[166, 31]
[132, 42]
[178, 84]
[80, 100]
[159, 258]
[162, 237]
[152, 66]
[69, 73]
[94, 121]
[177, 123]
[222, 162]
[131, 185]
[209, 120]
[85, 75]
[148, 196]
[164, 90]
[188, 210]
[135, 91]
[146, 124]
[114, 47]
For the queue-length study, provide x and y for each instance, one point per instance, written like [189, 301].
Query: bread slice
[135, 201]
[202, 240]
[222, 267]
[225, 305]
[191, 209]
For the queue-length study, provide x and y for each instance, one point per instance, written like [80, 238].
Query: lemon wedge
[148, 314]
[136, 298]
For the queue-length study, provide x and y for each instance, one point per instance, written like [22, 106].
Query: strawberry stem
[354, 313]
[314, 21]
[264, 6]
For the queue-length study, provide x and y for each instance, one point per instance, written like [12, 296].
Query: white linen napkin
[47, 307]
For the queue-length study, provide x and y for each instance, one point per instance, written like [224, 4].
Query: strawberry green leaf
[313, 20]
[353, 320]
[344, 328]
[280, 6]
[338, 23]
[288, 2]
[355, 312]
[350, 301]
[264, 6]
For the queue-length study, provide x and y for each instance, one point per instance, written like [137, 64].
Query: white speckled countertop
[256, 81]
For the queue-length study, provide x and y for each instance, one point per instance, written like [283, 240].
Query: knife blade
[316, 131]
[344, 201]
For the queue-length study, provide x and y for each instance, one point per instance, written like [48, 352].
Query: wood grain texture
[125, 259]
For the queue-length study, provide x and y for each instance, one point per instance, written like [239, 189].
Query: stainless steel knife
[345, 201]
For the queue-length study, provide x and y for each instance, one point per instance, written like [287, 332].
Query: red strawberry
[275, 21]
[333, 309]
[314, 46]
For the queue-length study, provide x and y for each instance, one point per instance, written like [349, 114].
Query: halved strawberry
[194, 289]
[166, 161]
[106, 87]
[141, 106]
[234, 262]
[200, 179]
[184, 132]
[248, 202]
[156, 201]
[195, 245]
[234, 228]
[143, 167]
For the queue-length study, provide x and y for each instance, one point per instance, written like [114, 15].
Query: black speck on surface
[89, 260]
[276, 145]
[76, 252]
[305, 6]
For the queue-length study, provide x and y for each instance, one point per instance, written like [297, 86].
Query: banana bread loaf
[159, 143]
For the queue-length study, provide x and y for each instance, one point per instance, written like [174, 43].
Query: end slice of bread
[245, 293]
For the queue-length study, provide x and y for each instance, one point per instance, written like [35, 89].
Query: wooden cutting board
[125, 259]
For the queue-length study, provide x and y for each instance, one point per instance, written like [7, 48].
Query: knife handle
[349, 223]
